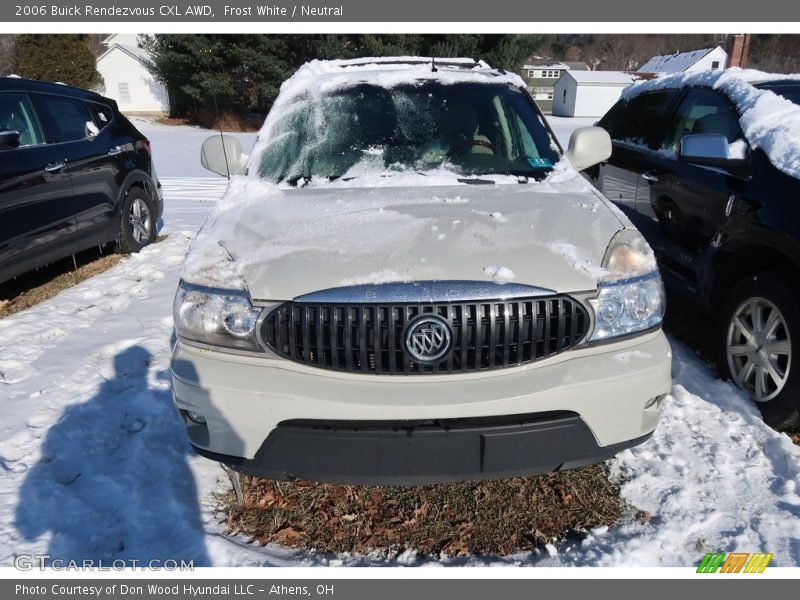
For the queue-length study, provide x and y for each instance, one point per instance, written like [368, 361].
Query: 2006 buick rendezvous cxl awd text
[406, 282]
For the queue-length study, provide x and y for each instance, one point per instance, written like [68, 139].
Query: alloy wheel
[139, 219]
[759, 349]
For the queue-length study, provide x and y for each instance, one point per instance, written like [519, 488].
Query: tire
[137, 222]
[758, 339]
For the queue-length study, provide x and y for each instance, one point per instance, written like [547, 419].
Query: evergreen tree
[241, 73]
[62, 57]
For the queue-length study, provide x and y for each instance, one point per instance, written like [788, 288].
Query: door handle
[54, 167]
[650, 176]
[114, 151]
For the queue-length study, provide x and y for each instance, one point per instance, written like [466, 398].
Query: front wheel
[758, 335]
[137, 226]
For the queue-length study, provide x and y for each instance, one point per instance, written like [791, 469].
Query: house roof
[674, 63]
[576, 66]
[545, 64]
[137, 53]
[615, 78]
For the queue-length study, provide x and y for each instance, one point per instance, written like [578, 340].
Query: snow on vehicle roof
[768, 121]
[388, 71]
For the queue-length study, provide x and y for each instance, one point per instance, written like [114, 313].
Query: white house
[589, 93]
[707, 59]
[540, 76]
[127, 79]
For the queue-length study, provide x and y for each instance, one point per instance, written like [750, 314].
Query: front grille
[369, 338]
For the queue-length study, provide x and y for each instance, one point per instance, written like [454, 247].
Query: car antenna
[433, 65]
[222, 138]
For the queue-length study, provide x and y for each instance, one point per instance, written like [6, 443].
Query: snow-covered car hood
[289, 242]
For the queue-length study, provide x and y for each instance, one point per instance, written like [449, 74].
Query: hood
[291, 242]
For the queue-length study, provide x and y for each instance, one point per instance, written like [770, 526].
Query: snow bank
[769, 121]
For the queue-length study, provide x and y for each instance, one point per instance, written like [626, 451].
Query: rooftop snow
[674, 63]
[546, 65]
[603, 77]
[769, 121]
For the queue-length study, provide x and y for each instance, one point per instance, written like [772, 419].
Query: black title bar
[411, 11]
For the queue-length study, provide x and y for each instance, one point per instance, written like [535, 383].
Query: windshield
[472, 129]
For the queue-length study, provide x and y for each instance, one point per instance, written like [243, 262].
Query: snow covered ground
[564, 126]
[94, 463]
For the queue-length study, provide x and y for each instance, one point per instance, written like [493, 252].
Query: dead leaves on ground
[489, 517]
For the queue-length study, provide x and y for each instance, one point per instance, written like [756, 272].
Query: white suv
[408, 282]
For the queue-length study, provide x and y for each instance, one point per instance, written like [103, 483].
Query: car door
[36, 223]
[637, 130]
[92, 159]
[689, 203]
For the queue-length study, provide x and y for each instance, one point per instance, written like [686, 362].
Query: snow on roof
[135, 52]
[603, 77]
[321, 76]
[545, 65]
[674, 63]
[769, 121]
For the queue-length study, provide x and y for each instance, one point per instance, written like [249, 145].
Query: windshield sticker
[539, 163]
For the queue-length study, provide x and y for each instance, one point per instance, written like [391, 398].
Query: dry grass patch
[480, 518]
[42, 284]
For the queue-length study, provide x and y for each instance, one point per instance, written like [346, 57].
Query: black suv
[724, 222]
[74, 173]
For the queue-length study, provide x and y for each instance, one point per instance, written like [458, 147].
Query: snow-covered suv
[408, 282]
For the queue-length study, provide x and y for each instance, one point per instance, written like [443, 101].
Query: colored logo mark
[734, 562]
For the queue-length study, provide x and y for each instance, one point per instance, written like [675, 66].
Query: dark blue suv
[74, 173]
[717, 199]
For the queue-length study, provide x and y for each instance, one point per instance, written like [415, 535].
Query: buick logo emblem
[428, 339]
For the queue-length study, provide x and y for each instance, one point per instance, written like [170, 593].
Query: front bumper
[395, 452]
[280, 419]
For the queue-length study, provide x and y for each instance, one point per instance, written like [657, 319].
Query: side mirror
[221, 155]
[588, 146]
[9, 138]
[710, 149]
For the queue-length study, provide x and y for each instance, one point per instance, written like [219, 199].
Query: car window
[64, 119]
[641, 123]
[703, 111]
[614, 120]
[361, 129]
[16, 114]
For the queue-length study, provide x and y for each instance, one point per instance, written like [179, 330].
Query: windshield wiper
[475, 181]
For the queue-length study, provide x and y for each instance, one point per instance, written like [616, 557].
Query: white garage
[589, 93]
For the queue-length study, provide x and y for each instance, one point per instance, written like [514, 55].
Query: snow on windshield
[336, 120]
[769, 121]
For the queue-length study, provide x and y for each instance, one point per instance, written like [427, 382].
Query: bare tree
[7, 43]
[621, 52]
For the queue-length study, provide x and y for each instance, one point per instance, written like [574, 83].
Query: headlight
[217, 317]
[631, 296]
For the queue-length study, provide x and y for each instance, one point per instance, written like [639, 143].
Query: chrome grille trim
[369, 337]
[419, 292]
